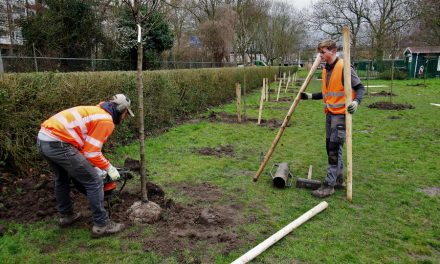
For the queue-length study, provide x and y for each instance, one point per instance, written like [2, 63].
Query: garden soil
[191, 228]
[227, 118]
[220, 151]
[390, 106]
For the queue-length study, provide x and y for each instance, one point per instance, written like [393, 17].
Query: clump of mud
[390, 106]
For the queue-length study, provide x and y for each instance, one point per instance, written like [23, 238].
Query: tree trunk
[140, 90]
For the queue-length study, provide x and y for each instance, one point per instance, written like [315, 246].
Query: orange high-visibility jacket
[85, 127]
[333, 94]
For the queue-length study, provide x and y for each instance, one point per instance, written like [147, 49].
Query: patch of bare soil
[195, 227]
[227, 150]
[227, 118]
[382, 93]
[431, 191]
[132, 164]
[417, 84]
[285, 99]
[200, 192]
[286, 108]
[390, 106]
[182, 228]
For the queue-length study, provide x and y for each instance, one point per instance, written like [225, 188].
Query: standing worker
[71, 141]
[334, 100]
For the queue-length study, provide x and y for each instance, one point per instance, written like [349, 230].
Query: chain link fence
[13, 64]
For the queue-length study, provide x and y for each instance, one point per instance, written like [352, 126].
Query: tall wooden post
[244, 99]
[238, 93]
[279, 89]
[260, 111]
[287, 84]
[266, 89]
[348, 117]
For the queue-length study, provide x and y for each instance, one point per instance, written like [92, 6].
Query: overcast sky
[299, 4]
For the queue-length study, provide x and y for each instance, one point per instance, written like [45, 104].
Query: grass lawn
[394, 216]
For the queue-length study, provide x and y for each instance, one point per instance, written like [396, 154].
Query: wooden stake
[267, 89]
[279, 89]
[254, 252]
[309, 175]
[244, 98]
[287, 118]
[348, 117]
[287, 84]
[238, 93]
[260, 112]
[275, 78]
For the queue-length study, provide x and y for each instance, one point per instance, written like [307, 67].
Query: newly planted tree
[141, 11]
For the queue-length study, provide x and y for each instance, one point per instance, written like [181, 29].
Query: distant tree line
[223, 30]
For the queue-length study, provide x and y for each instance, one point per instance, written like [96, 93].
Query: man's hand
[113, 173]
[305, 96]
[353, 107]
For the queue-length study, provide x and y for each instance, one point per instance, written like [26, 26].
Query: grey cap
[122, 103]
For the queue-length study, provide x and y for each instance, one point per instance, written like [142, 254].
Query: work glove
[353, 107]
[305, 96]
[113, 173]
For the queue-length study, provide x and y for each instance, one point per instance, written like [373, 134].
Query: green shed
[427, 58]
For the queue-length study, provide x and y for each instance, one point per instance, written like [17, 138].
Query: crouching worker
[334, 102]
[71, 141]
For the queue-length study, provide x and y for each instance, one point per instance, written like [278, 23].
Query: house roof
[425, 49]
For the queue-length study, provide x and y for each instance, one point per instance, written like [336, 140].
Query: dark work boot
[108, 229]
[324, 191]
[68, 220]
[340, 184]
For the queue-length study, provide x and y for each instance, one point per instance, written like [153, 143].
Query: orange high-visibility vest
[87, 128]
[333, 94]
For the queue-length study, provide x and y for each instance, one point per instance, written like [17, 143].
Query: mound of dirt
[390, 106]
[382, 93]
[227, 118]
[182, 228]
[227, 150]
[132, 164]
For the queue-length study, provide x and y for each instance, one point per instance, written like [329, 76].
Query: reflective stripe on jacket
[334, 95]
[85, 127]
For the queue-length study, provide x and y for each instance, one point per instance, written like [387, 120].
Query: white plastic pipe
[251, 254]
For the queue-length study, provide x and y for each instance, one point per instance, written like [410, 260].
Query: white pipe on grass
[251, 254]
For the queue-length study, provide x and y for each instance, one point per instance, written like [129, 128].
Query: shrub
[27, 99]
[398, 75]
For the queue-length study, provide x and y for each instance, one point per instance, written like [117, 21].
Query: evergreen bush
[27, 99]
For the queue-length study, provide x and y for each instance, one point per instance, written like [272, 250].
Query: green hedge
[26, 100]
[398, 75]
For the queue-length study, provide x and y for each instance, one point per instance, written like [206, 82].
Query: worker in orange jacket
[71, 141]
[334, 106]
